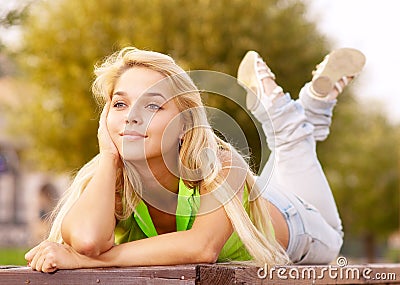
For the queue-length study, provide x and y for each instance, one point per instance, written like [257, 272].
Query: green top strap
[186, 210]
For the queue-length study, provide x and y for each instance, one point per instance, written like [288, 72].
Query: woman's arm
[201, 244]
[89, 225]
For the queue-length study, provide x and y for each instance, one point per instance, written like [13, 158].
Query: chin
[133, 157]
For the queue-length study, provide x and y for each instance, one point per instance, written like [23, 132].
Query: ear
[182, 132]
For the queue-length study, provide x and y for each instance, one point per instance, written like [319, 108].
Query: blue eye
[119, 105]
[153, 107]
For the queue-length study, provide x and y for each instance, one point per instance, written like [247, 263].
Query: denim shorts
[311, 239]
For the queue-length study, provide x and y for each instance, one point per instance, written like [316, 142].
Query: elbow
[207, 250]
[207, 254]
[89, 246]
[86, 246]
[210, 256]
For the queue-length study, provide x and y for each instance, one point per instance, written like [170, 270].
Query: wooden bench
[209, 274]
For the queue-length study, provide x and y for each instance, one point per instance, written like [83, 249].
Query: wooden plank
[206, 274]
[179, 275]
[216, 275]
[352, 274]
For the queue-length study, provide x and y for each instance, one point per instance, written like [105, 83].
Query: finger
[104, 113]
[37, 263]
[49, 264]
[31, 253]
[50, 269]
[37, 256]
[103, 118]
[45, 256]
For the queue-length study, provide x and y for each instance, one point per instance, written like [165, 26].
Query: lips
[132, 135]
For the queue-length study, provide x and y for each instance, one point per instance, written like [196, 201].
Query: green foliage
[8, 18]
[13, 17]
[361, 160]
[63, 39]
[393, 255]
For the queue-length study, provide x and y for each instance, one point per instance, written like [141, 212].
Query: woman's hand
[49, 256]
[106, 144]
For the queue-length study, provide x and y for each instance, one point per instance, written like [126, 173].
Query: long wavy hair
[255, 230]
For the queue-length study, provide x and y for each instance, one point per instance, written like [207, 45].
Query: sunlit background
[371, 27]
[48, 120]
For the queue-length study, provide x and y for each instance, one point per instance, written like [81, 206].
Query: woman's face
[143, 120]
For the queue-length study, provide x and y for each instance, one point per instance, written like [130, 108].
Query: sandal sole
[247, 78]
[342, 62]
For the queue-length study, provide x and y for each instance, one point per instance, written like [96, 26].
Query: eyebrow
[150, 94]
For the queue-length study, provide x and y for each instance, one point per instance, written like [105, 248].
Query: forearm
[167, 249]
[91, 219]
[201, 244]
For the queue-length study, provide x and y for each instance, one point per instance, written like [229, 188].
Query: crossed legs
[293, 127]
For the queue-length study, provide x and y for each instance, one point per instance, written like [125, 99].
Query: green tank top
[140, 225]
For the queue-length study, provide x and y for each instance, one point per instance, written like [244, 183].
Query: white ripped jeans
[293, 179]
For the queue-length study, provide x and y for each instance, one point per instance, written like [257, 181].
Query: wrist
[110, 158]
[101, 260]
[89, 262]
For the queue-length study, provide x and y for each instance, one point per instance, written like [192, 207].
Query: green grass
[12, 256]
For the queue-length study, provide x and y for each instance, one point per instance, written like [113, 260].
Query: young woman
[164, 189]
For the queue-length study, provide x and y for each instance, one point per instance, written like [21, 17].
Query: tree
[361, 160]
[9, 18]
[64, 39]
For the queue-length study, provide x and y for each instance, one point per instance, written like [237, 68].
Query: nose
[134, 117]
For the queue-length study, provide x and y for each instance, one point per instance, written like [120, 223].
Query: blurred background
[48, 118]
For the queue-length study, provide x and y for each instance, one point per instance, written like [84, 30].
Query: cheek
[113, 126]
[166, 129]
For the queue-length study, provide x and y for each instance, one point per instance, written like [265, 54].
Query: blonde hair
[255, 231]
